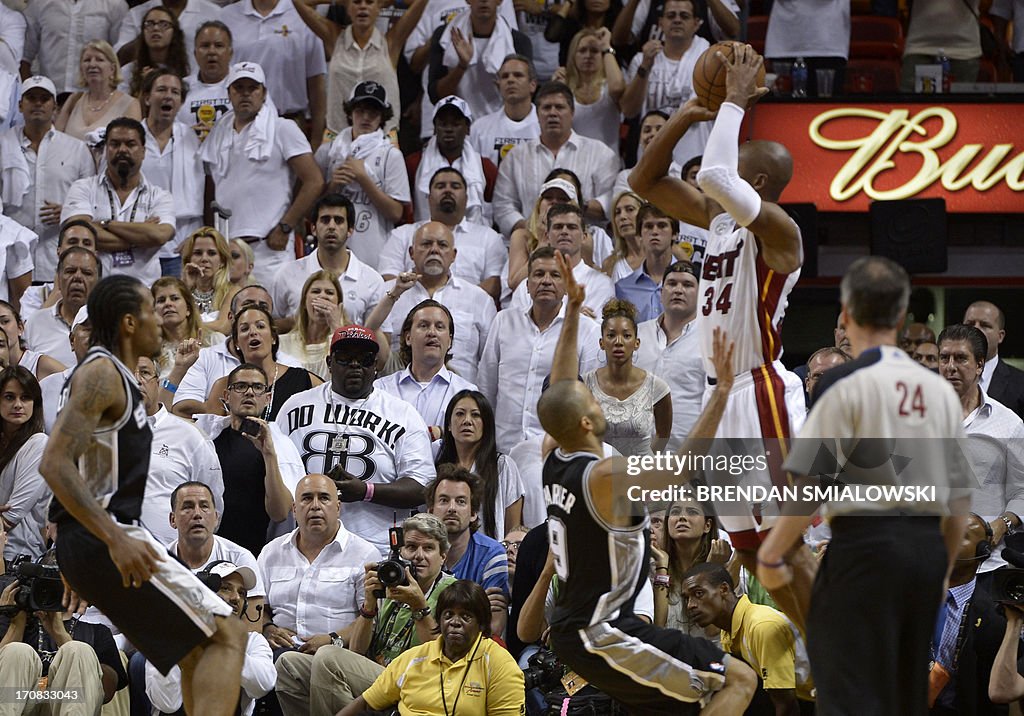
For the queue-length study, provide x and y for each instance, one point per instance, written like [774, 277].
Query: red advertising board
[846, 155]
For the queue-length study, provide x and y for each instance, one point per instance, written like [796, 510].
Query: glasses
[256, 388]
[510, 546]
[157, 25]
[364, 360]
[145, 376]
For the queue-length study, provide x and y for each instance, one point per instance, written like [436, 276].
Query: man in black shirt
[96, 463]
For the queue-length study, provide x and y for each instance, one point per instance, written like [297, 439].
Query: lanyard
[469, 664]
[114, 215]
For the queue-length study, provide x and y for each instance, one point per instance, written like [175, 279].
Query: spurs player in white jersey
[753, 259]
[374, 445]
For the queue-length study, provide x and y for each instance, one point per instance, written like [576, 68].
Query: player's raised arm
[650, 178]
[96, 390]
[566, 363]
[767, 167]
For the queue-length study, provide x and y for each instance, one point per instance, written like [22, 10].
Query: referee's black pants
[872, 617]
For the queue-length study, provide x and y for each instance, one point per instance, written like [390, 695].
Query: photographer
[71, 654]
[380, 633]
[462, 666]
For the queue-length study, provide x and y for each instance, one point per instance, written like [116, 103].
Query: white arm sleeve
[718, 176]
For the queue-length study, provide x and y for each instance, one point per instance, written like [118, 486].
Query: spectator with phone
[260, 466]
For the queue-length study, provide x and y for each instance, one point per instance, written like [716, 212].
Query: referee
[880, 584]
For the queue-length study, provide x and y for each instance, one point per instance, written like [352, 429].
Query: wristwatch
[1010, 529]
[336, 640]
[420, 614]
[285, 228]
[608, 51]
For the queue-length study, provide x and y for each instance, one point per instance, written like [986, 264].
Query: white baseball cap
[226, 569]
[38, 81]
[456, 103]
[243, 70]
[562, 185]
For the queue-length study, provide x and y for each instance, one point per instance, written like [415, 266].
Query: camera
[42, 589]
[1008, 585]
[391, 572]
[543, 671]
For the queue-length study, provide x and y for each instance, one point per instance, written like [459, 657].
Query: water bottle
[947, 71]
[799, 75]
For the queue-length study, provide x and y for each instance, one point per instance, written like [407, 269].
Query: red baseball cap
[356, 337]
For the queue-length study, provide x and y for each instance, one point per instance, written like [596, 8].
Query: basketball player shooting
[601, 546]
[753, 260]
[97, 462]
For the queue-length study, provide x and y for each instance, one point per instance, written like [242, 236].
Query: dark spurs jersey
[601, 568]
[116, 464]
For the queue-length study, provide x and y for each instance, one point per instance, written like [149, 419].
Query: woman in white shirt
[596, 81]
[22, 441]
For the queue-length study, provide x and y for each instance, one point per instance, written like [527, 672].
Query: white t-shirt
[201, 94]
[496, 133]
[787, 34]
[379, 439]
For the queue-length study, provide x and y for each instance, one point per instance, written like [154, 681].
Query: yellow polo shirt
[489, 684]
[764, 638]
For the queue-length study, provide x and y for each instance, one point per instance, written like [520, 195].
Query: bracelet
[662, 580]
[365, 613]
[1010, 529]
[771, 565]
[368, 497]
[390, 295]
[168, 386]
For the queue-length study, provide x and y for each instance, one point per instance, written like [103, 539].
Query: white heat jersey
[377, 439]
[741, 295]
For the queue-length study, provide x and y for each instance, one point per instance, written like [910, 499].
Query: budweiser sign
[846, 156]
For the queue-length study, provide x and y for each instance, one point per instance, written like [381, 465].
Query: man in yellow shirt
[761, 636]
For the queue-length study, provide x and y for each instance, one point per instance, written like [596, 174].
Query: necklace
[203, 299]
[270, 403]
[101, 105]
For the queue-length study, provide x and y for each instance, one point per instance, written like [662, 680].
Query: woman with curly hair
[468, 442]
[206, 264]
[160, 44]
[320, 313]
[637, 404]
[22, 440]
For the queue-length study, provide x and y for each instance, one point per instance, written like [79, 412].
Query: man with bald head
[600, 539]
[1000, 380]
[752, 261]
[433, 252]
[314, 582]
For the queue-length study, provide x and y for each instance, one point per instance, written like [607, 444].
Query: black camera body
[543, 671]
[1008, 586]
[42, 589]
[391, 571]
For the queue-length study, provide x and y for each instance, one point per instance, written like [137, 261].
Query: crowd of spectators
[349, 214]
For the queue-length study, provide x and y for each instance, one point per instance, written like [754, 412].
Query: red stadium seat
[872, 76]
[874, 28]
[866, 49]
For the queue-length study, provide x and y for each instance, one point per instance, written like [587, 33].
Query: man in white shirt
[426, 383]
[361, 286]
[525, 167]
[52, 385]
[433, 252]
[133, 217]
[661, 74]
[481, 254]
[995, 444]
[180, 453]
[272, 34]
[373, 444]
[78, 270]
[496, 133]
[58, 30]
[38, 165]
[207, 91]
[314, 575]
[12, 39]
[253, 157]
[191, 15]
[669, 348]
[172, 160]
[17, 245]
[565, 233]
[520, 347]
[194, 518]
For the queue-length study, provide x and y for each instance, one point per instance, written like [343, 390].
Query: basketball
[709, 75]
